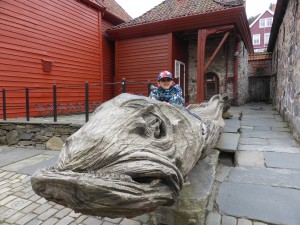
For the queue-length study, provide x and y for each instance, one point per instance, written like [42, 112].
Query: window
[256, 39]
[262, 23]
[267, 22]
[266, 38]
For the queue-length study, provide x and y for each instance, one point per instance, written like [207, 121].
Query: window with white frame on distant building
[267, 22]
[262, 23]
[266, 38]
[256, 39]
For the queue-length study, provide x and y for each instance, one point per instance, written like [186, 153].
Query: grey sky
[136, 8]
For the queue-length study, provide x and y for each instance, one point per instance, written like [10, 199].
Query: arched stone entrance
[211, 85]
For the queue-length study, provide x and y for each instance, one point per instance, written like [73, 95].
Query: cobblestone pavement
[259, 186]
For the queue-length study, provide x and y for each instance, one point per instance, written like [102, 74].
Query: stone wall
[286, 68]
[41, 136]
[218, 67]
[243, 81]
[260, 68]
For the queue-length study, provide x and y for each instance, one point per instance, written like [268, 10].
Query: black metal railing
[53, 108]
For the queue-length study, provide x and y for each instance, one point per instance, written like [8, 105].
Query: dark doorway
[211, 85]
[259, 89]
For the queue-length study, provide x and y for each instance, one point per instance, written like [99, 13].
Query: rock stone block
[54, 143]
[190, 207]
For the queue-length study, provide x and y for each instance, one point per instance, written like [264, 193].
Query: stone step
[190, 207]
[228, 142]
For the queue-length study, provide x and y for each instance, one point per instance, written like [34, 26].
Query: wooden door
[259, 89]
[211, 85]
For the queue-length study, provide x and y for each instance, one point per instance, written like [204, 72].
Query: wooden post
[202, 34]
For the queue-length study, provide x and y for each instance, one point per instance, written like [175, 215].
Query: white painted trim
[253, 39]
[261, 16]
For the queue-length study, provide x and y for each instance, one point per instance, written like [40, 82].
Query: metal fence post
[54, 104]
[27, 104]
[123, 85]
[86, 102]
[4, 103]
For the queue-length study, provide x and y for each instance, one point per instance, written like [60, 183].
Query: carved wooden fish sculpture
[131, 157]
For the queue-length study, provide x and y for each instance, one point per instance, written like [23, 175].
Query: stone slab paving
[30, 170]
[268, 148]
[282, 160]
[264, 188]
[26, 160]
[228, 142]
[11, 155]
[20, 165]
[253, 141]
[249, 158]
[266, 176]
[286, 142]
[232, 125]
[246, 133]
[263, 122]
[263, 203]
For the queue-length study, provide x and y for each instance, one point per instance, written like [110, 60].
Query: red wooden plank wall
[108, 47]
[64, 32]
[141, 59]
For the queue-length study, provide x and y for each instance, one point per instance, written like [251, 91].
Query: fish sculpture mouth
[95, 193]
[131, 157]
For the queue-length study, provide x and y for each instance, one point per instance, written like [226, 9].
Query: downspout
[226, 66]
[236, 68]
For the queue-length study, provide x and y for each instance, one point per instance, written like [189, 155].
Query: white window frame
[256, 37]
[262, 23]
[269, 22]
[266, 38]
[177, 74]
[266, 22]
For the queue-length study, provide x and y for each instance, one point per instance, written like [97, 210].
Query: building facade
[62, 43]
[260, 31]
[203, 42]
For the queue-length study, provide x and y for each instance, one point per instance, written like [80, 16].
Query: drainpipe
[236, 68]
[227, 60]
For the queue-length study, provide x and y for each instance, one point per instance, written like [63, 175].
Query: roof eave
[97, 6]
[112, 18]
[106, 14]
[235, 16]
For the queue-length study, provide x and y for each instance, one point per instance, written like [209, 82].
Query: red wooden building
[67, 43]
[47, 42]
[260, 31]
[167, 37]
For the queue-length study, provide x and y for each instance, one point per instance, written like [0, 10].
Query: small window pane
[256, 39]
[267, 37]
[262, 23]
[269, 22]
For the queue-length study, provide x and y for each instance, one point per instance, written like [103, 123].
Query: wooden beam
[217, 50]
[202, 35]
[219, 29]
[170, 52]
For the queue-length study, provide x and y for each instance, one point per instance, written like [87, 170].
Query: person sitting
[167, 90]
